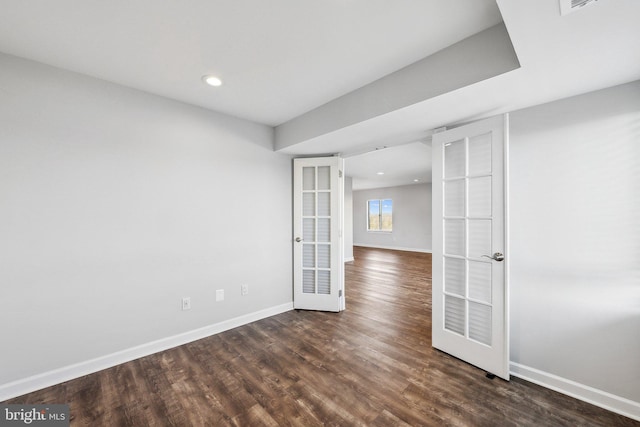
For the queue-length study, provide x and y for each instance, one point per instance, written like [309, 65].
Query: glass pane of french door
[467, 237]
[316, 230]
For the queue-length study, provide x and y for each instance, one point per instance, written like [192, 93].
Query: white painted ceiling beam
[474, 59]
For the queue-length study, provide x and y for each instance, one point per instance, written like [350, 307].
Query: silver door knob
[496, 257]
[298, 239]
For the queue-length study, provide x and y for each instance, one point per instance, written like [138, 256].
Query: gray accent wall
[411, 218]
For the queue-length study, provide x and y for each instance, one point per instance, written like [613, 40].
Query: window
[379, 215]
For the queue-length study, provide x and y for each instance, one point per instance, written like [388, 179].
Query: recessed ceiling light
[212, 80]
[380, 173]
[416, 180]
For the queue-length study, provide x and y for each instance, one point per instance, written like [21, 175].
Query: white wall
[411, 218]
[115, 204]
[575, 233]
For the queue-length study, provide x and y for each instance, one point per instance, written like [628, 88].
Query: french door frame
[447, 341]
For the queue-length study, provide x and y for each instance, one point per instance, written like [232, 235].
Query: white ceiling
[277, 58]
[282, 58]
[401, 165]
[593, 48]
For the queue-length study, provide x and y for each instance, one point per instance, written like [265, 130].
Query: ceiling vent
[568, 6]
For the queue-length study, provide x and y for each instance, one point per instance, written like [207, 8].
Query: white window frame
[381, 202]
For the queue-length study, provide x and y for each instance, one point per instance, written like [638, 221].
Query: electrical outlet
[220, 295]
[186, 303]
[244, 290]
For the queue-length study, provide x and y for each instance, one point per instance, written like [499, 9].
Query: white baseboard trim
[57, 376]
[394, 248]
[600, 398]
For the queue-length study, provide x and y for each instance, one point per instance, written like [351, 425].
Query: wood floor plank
[255, 416]
[371, 365]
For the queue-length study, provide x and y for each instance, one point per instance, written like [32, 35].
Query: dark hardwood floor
[370, 365]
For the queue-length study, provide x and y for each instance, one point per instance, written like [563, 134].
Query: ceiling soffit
[474, 59]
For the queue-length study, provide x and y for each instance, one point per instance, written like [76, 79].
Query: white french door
[470, 298]
[317, 234]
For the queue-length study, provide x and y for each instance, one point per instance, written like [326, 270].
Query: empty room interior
[321, 212]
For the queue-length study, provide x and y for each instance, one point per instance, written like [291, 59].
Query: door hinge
[340, 293]
[339, 174]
